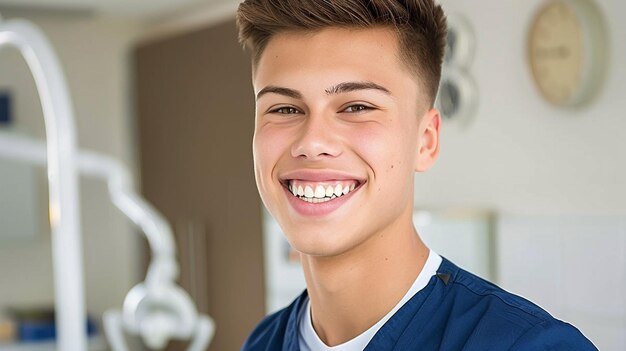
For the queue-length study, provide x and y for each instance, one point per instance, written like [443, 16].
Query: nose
[317, 140]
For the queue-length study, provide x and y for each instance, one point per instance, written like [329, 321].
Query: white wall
[545, 170]
[94, 53]
[521, 154]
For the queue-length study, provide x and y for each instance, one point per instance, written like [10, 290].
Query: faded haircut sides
[420, 26]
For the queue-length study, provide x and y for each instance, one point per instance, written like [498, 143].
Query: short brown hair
[420, 26]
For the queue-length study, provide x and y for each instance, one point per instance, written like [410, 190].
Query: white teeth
[318, 201]
[320, 192]
[329, 191]
[338, 190]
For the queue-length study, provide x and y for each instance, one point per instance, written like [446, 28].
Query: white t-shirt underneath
[310, 341]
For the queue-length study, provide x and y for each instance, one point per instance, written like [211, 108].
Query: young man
[344, 118]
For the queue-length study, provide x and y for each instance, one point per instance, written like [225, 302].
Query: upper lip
[319, 175]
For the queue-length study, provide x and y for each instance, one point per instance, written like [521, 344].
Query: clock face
[557, 52]
[565, 50]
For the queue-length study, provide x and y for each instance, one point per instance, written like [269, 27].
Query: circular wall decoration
[567, 51]
[460, 43]
[457, 95]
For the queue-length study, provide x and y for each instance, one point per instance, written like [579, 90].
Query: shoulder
[276, 331]
[553, 335]
[502, 320]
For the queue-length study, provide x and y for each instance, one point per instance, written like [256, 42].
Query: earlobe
[428, 142]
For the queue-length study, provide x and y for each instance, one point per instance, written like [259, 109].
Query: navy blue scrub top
[455, 311]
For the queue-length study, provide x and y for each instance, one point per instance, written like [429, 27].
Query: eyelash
[356, 108]
[360, 108]
[291, 109]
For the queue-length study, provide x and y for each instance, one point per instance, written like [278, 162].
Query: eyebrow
[280, 91]
[355, 86]
[340, 88]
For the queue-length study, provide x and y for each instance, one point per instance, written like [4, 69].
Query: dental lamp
[157, 309]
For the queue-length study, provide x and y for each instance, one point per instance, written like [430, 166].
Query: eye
[285, 110]
[357, 108]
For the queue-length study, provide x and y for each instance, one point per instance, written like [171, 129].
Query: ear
[428, 140]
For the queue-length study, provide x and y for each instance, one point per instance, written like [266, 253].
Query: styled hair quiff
[420, 26]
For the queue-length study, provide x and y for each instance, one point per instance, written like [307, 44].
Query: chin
[322, 242]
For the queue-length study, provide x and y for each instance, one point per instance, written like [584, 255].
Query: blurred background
[528, 192]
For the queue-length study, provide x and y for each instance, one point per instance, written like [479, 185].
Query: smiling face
[341, 127]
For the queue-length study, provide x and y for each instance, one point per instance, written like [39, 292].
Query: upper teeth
[309, 192]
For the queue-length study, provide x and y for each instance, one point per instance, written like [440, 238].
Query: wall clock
[567, 51]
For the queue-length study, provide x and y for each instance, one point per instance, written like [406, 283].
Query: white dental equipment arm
[157, 309]
[62, 178]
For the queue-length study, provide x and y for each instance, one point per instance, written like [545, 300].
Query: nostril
[314, 146]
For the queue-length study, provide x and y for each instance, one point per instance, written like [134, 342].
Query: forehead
[332, 53]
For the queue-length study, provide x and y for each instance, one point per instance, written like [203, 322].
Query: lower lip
[319, 209]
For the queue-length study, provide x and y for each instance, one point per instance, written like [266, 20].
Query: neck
[351, 292]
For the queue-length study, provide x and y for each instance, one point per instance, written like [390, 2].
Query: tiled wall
[573, 266]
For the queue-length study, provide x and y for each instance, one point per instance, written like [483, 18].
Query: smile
[320, 192]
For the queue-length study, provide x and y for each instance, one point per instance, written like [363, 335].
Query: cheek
[388, 151]
[267, 147]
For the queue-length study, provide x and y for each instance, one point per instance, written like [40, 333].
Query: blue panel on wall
[5, 109]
